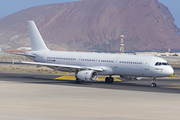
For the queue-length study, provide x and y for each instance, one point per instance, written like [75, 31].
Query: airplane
[87, 66]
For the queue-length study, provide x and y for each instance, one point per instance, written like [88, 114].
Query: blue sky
[174, 7]
[8, 7]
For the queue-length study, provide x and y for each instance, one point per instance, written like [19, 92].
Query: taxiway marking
[73, 78]
[174, 87]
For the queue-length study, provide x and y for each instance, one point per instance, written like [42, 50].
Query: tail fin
[37, 43]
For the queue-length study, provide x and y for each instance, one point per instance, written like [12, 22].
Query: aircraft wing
[62, 66]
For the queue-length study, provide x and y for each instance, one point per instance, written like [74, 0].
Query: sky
[174, 7]
[8, 7]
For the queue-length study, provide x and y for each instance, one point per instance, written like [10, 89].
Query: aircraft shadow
[117, 85]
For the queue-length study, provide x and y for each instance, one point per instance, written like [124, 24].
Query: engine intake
[87, 75]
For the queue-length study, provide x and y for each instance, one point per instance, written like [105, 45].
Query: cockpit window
[164, 63]
[157, 63]
[161, 63]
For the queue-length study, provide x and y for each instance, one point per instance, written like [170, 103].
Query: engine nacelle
[131, 77]
[87, 75]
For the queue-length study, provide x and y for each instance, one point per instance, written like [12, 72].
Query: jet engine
[87, 75]
[131, 77]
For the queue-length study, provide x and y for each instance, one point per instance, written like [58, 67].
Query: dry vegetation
[29, 69]
[23, 68]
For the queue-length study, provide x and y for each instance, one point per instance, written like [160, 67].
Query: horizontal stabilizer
[27, 55]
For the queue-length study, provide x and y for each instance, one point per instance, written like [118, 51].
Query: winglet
[37, 43]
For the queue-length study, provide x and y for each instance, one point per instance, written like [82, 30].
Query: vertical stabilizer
[37, 43]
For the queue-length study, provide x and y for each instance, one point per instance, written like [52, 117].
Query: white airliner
[87, 66]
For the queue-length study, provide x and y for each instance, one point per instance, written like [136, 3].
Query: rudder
[37, 43]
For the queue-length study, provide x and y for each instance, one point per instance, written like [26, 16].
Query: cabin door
[147, 64]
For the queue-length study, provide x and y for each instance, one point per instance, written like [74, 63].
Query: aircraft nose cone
[170, 71]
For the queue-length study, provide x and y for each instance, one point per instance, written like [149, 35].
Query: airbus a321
[87, 66]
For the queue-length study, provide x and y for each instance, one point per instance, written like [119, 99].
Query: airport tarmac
[163, 85]
[31, 96]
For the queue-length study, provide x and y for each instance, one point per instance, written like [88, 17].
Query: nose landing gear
[153, 84]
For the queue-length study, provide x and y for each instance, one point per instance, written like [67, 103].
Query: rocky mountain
[95, 25]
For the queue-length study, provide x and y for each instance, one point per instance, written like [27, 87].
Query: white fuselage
[112, 64]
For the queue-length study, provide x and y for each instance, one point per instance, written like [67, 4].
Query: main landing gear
[109, 79]
[79, 81]
[153, 84]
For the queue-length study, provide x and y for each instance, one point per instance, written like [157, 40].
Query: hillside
[95, 25]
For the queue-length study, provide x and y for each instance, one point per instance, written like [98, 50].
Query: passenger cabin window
[161, 63]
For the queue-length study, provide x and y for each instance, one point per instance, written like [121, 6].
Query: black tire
[153, 84]
[109, 79]
[79, 81]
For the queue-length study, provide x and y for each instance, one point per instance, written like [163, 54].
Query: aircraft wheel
[109, 79]
[79, 81]
[153, 84]
[106, 79]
